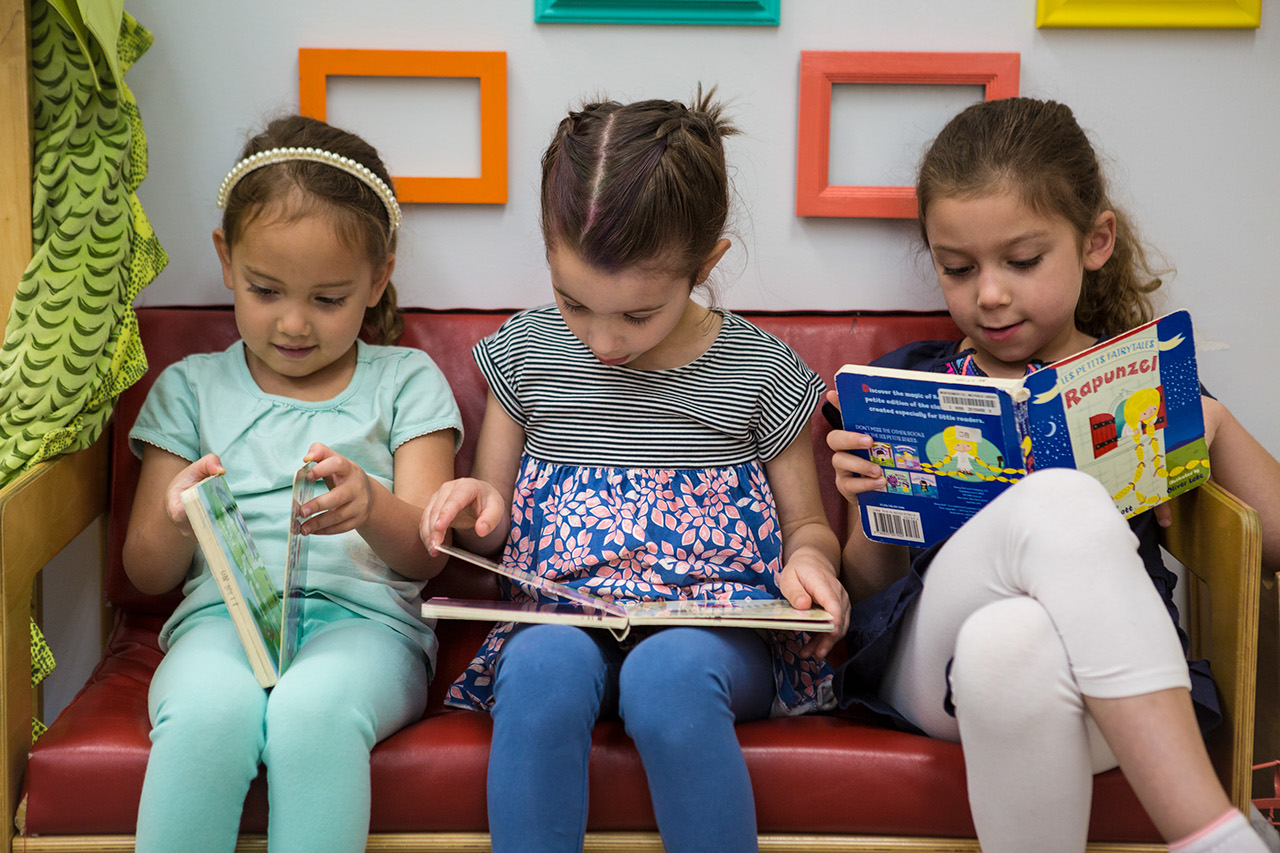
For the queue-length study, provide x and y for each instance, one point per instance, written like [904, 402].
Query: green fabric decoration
[71, 344]
[42, 664]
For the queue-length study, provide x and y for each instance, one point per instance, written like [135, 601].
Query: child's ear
[1100, 242]
[223, 248]
[717, 252]
[381, 278]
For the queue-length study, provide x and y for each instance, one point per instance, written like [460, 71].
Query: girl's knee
[552, 674]
[222, 710]
[1010, 665]
[1063, 497]
[1063, 511]
[679, 682]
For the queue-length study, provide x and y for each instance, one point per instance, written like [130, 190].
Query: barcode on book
[973, 402]
[895, 524]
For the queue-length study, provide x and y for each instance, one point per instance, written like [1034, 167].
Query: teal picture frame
[757, 13]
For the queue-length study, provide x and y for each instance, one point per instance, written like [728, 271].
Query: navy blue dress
[874, 622]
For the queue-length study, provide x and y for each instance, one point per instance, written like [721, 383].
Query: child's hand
[463, 504]
[854, 475]
[206, 466]
[806, 581]
[347, 504]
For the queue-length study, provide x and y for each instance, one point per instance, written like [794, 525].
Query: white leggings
[1039, 600]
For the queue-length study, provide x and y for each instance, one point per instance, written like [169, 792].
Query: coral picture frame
[317, 65]
[760, 13]
[997, 73]
[1187, 14]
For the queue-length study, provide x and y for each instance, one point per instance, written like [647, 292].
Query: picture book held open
[267, 620]
[1126, 411]
[590, 611]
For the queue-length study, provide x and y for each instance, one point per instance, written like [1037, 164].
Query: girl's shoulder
[739, 333]
[392, 355]
[929, 356]
[532, 333]
[397, 367]
[202, 367]
[541, 320]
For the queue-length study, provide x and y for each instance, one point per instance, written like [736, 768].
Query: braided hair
[638, 185]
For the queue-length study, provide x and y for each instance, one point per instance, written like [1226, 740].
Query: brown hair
[1039, 151]
[640, 184]
[296, 188]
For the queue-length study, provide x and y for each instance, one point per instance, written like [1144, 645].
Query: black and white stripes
[746, 398]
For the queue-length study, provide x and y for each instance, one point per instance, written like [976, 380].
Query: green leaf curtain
[71, 344]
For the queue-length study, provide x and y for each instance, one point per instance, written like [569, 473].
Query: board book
[590, 611]
[267, 620]
[1126, 411]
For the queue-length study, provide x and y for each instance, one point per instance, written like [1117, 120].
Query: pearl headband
[315, 155]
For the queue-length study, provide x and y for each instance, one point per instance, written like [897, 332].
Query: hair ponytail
[640, 184]
[1037, 150]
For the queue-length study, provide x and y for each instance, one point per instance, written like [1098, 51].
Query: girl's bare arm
[1244, 467]
[159, 544]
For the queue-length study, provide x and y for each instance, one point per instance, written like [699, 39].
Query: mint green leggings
[354, 682]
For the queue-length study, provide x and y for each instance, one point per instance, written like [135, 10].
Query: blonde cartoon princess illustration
[1141, 413]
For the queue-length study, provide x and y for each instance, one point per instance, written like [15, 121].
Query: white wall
[1187, 120]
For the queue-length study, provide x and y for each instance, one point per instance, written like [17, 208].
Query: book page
[1126, 411]
[534, 581]
[234, 548]
[295, 567]
[772, 613]
[516, 611]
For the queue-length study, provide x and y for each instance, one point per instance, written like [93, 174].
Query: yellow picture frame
[1185, 14]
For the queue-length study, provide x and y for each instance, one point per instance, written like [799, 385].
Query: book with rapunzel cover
[1126, 411]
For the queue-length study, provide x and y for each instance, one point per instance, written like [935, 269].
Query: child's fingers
[317, 452]
[209, 465]
[460, 504]
[438, 517]
[841, 439]
[806, 586]
[793, 590]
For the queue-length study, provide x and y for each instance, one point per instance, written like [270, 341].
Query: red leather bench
[822, 782]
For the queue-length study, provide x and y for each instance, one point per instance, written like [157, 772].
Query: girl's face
[300, 296]
[644, 319]
[1011, 277]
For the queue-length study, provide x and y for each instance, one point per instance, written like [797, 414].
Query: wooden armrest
[40, 513]
[1219, 539]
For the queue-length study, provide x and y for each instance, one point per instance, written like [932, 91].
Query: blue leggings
[679, 692]
[354, 682]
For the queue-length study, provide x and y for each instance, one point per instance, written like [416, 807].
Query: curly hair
[1038, 150]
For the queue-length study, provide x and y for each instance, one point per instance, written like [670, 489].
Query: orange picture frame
[820, 70]
[317, 65]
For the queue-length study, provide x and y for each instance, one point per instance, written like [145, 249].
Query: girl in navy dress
[1041, 635]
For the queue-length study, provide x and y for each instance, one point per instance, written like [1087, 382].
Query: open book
[268, 622]
[1126, 411]
[590, 611]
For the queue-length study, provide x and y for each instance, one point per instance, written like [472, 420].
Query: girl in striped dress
[640, 445]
